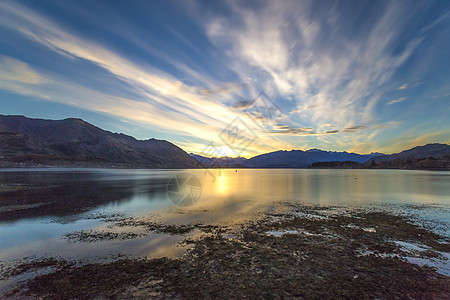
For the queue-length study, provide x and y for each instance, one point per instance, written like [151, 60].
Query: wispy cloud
[285, 129]
[15, 70]
[284, 50]
[401, 99]
[303, 56]
[165, 101]
[224, 89]
[353, 128]
[329, 77]
[242, 104]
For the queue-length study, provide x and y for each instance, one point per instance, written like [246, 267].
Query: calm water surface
[213, 196]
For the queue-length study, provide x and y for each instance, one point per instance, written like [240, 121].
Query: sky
[235, 78]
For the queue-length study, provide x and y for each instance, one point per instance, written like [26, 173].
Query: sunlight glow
[222, 183]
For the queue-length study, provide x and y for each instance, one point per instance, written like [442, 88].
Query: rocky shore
[300, 253]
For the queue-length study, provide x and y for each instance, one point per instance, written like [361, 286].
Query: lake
[46, 206]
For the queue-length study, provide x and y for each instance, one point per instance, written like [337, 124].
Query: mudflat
[297, 252]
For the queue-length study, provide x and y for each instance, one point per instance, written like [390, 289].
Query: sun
[226, 151]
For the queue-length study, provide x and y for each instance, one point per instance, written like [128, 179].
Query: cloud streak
[332, 80]
[15, 70]
[164, 101]
[317, 61]
[401, 99]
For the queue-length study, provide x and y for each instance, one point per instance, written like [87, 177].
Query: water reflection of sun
[222, 184]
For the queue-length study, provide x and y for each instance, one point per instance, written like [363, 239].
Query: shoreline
[294, 251]
[34, 167]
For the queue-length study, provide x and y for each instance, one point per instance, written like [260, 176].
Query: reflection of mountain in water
[36, 194]
[184, 189]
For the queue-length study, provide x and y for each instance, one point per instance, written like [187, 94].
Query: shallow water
[189, 196]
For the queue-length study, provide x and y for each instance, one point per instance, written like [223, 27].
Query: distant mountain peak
[314, 150]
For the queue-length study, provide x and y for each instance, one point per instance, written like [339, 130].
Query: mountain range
[76, 143]
[303, 159]
[431, 156]
[286, 159]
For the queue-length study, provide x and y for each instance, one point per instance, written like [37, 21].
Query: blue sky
[235, 77]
